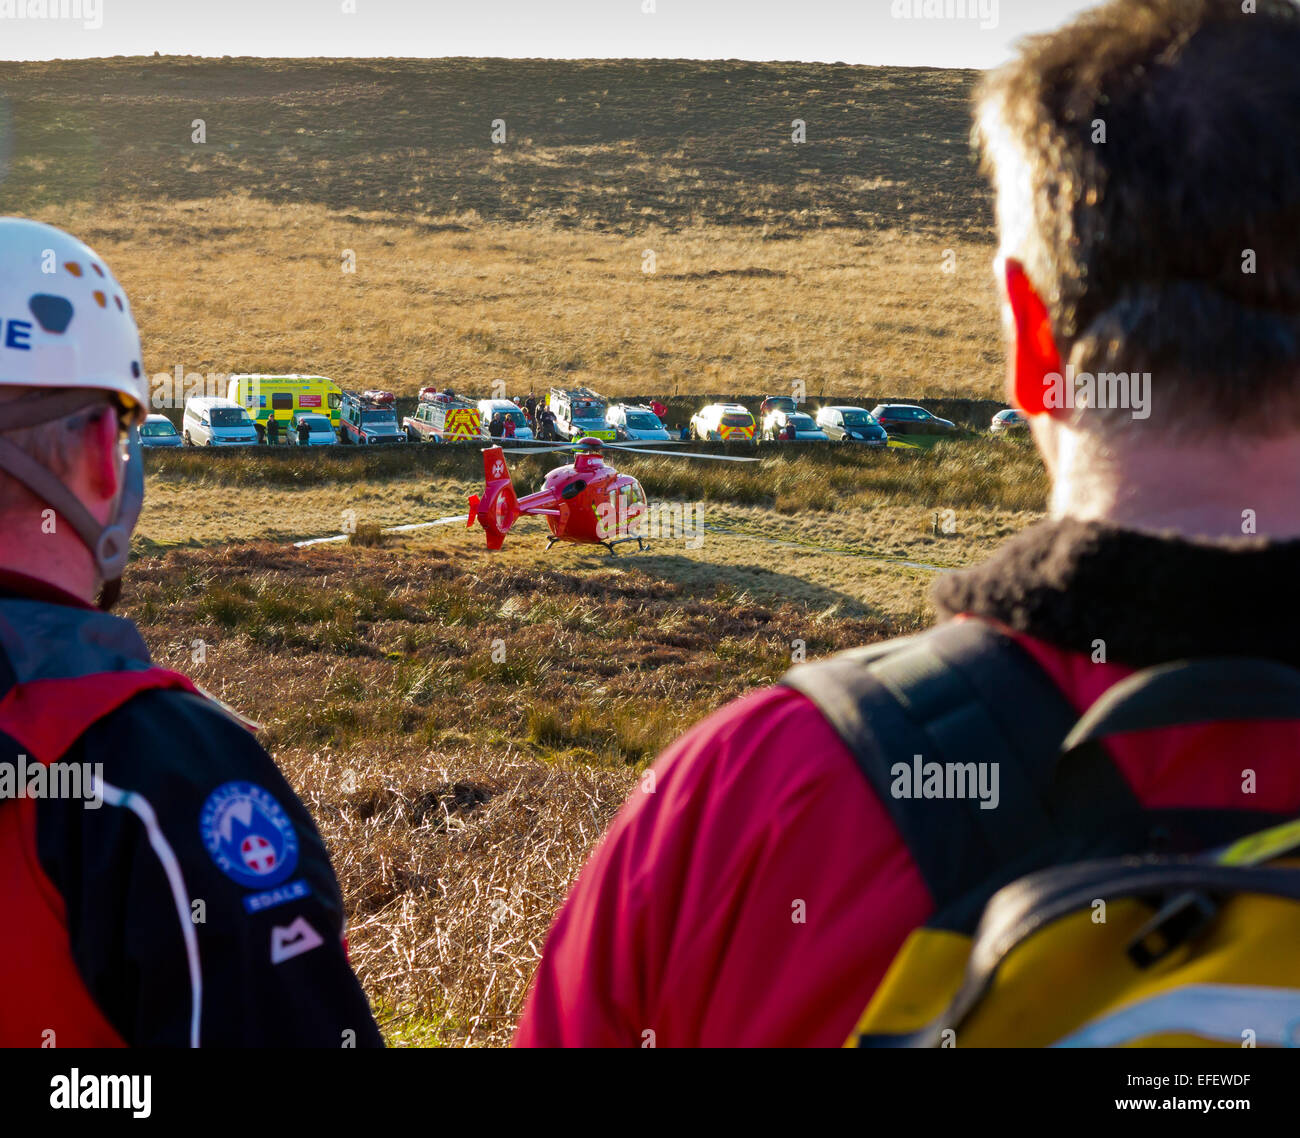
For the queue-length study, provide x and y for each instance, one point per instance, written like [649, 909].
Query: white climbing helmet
[66, 327]
[64, 319]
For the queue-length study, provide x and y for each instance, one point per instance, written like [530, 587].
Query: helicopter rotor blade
[548, 443]
[461, 518]
[684, 454]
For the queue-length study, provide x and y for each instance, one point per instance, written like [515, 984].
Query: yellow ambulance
[281, 395]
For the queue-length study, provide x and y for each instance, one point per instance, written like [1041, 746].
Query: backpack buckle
[1177, 922]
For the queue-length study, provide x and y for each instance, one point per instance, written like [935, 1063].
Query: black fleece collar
[1152, 598]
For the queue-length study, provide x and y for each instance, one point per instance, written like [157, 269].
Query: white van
[214, 421]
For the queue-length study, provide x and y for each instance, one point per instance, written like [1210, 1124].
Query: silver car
[158, 431]
[320, 431]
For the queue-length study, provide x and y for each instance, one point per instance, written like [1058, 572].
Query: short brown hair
[1142, 155]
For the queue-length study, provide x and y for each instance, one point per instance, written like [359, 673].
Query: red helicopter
[587, 502]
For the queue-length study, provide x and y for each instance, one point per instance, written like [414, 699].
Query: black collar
[1150, 597]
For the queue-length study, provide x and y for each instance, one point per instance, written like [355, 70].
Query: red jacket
[188, 901]
[758, 894]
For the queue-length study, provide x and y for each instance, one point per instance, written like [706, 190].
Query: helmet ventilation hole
[53, 313]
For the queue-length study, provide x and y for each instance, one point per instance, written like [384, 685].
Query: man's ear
[1034, 354]
[101, 448]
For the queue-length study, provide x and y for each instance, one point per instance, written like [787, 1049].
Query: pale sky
[936, 33]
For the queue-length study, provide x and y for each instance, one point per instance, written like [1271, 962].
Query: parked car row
[313, 411]
[783, 421]
[212, 421]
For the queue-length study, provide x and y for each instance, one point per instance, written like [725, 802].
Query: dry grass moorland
[460, 787]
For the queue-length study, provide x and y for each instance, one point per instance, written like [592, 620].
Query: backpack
[1069, 915]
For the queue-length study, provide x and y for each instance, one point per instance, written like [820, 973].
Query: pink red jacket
[758, 894]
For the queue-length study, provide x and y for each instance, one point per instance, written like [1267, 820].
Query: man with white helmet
[160, 883]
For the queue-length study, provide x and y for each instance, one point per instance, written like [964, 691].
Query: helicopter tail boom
[497, 510]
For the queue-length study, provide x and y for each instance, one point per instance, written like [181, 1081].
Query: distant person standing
[508, 428]
[660, 410]
[304, 433]
[273, 430]
[494, 427]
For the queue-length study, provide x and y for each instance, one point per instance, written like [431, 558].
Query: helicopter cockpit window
[573, 489]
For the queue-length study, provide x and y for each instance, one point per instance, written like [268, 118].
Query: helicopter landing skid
[641, 546]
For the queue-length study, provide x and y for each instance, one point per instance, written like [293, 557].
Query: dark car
[908, 419]
[1009, 420]
[852, 425]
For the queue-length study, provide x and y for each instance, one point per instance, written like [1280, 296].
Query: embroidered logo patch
[248, 835]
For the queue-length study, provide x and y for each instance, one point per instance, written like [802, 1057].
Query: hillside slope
[614, 145]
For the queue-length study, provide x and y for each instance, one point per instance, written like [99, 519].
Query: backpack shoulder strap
[938, 712]
[1214, 689]
[962, 708]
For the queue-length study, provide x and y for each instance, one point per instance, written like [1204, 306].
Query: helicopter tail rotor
[497, 510]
